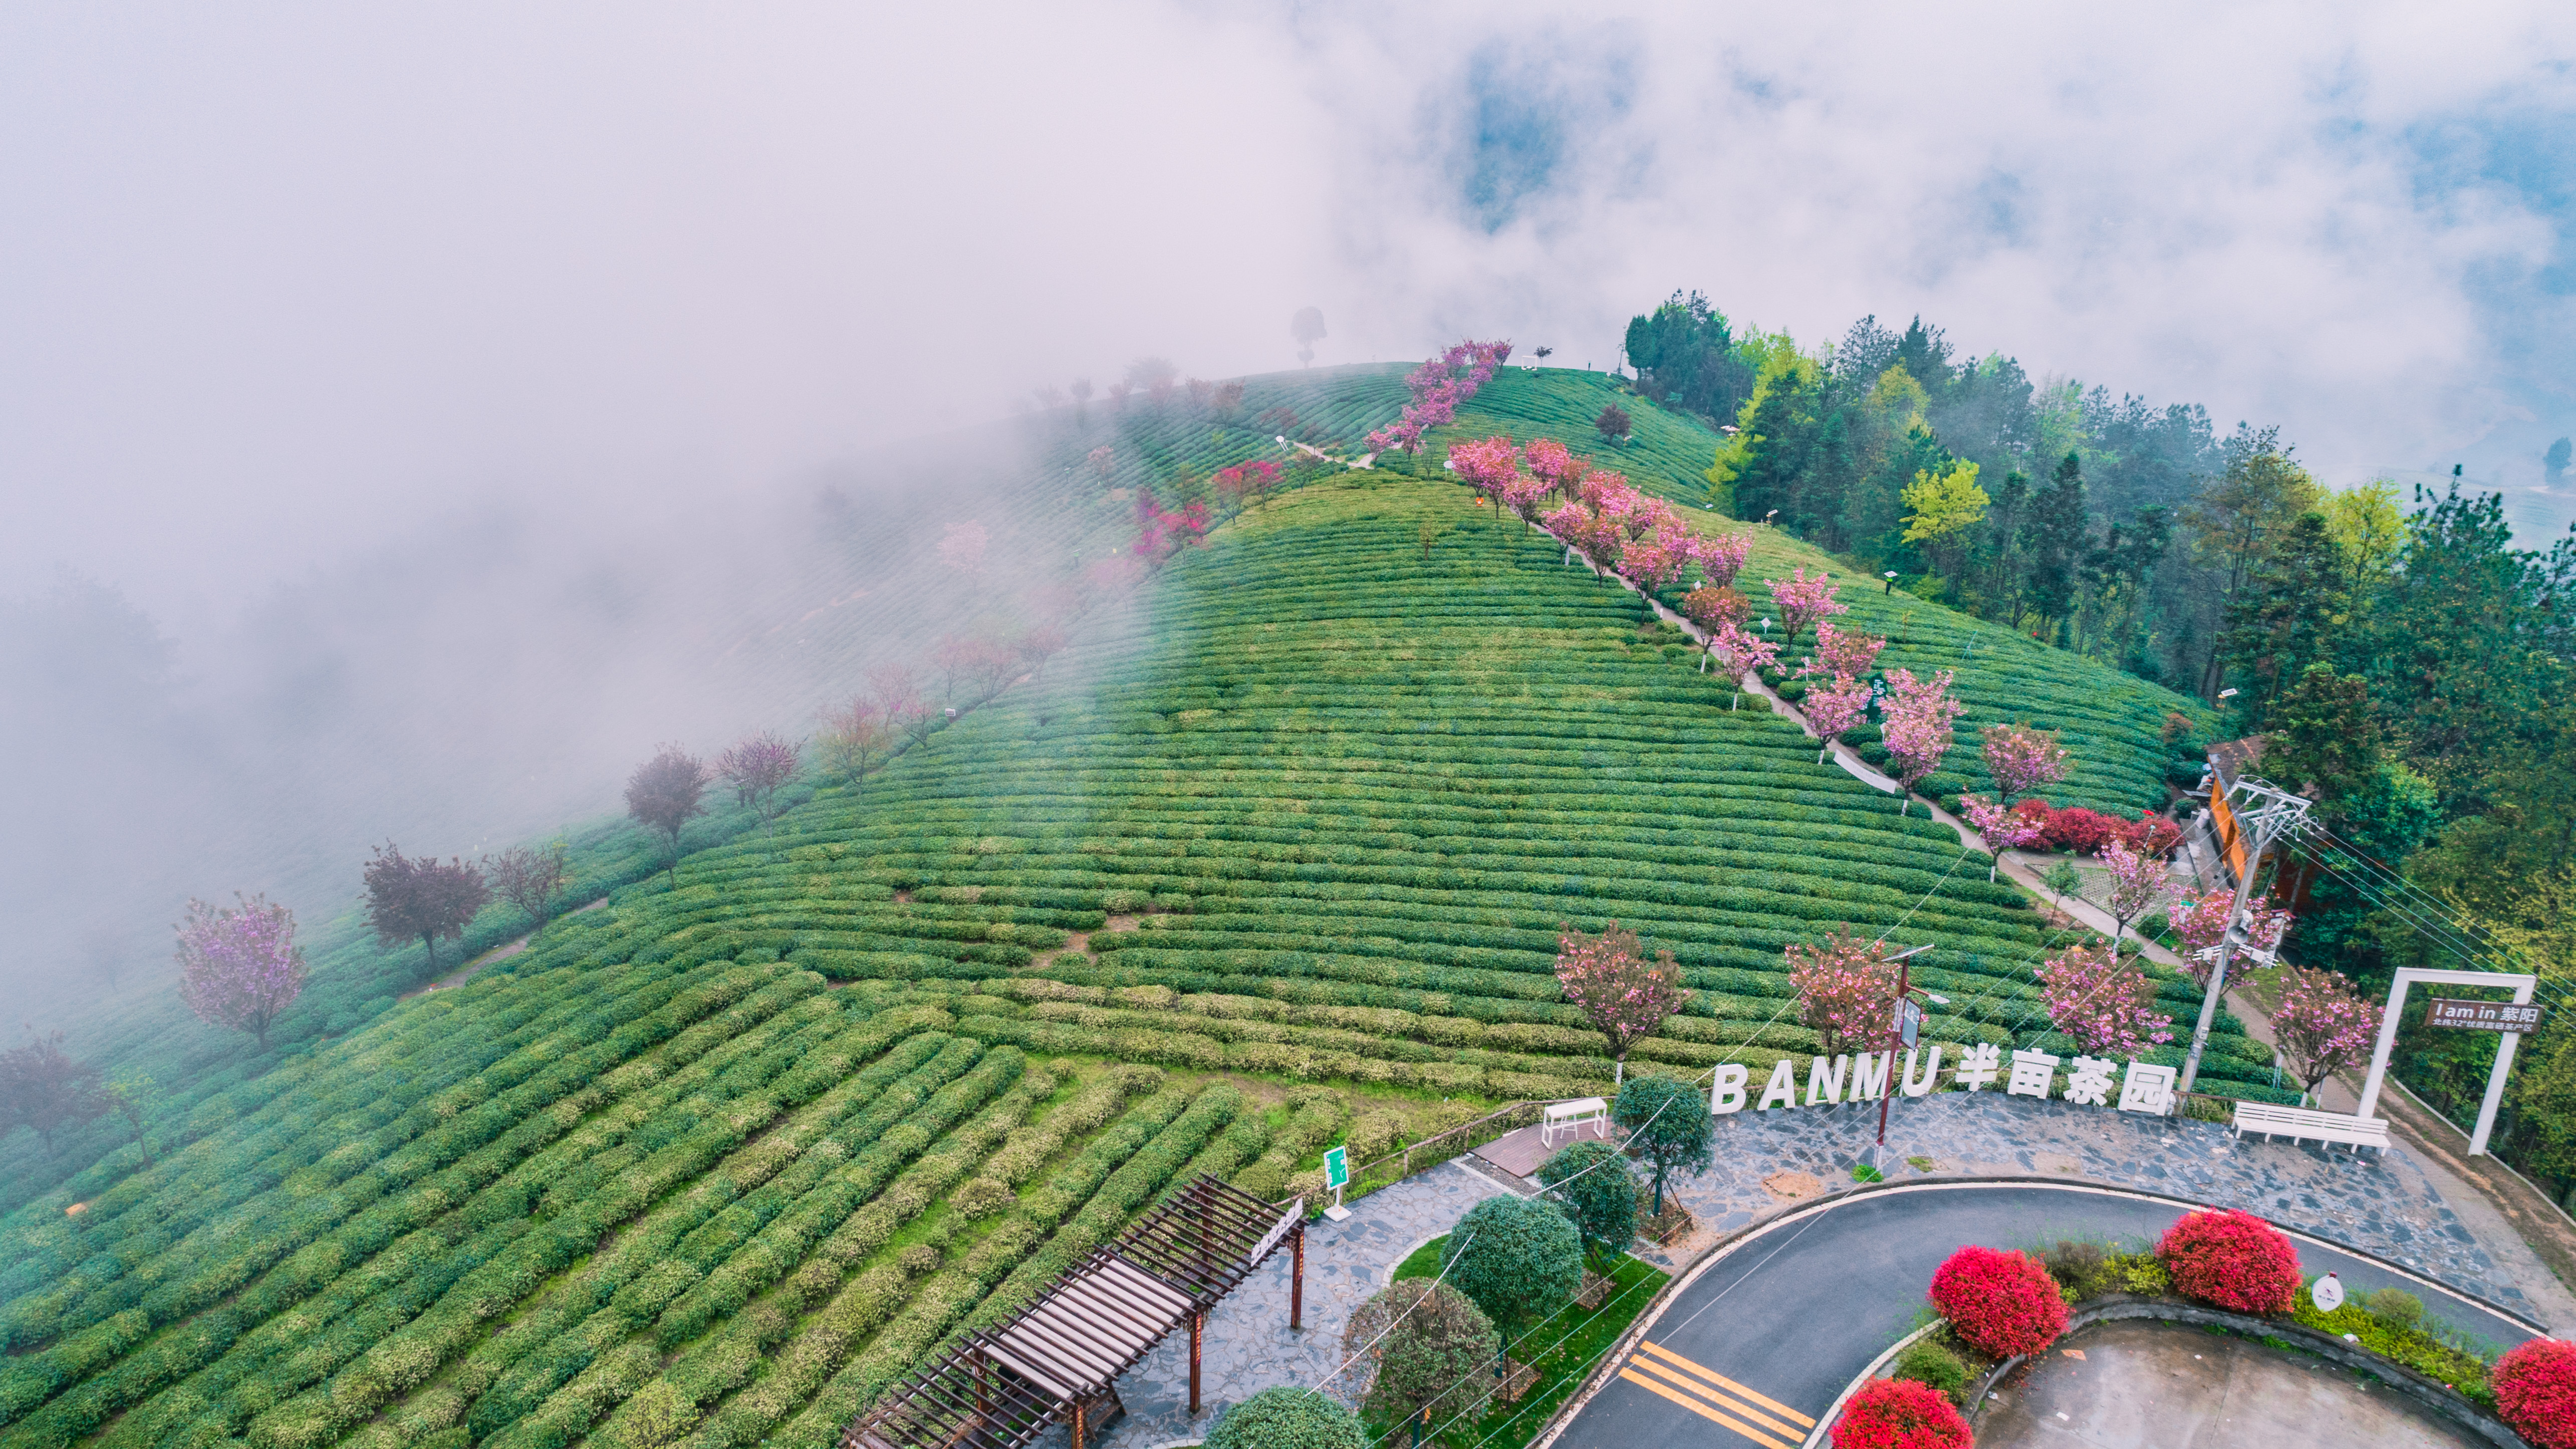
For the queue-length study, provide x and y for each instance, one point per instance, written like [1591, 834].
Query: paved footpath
[2388, 1208]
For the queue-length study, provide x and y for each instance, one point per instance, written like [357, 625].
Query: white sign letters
[1868, 1076]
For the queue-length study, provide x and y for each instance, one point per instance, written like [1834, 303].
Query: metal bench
[1570, 1118]
[2299, 1124]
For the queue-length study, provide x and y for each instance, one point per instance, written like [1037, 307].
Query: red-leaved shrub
[2080, 830]
[2003, 1302]
[2232, 1259]
[2535, 1389]
[1900, 1414]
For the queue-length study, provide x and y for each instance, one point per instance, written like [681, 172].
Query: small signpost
[2328, 1294]
[1337, 1171]
[2483, 1015]
[1909, 1022]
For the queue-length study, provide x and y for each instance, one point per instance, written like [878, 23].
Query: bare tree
[410, 896]
[758, 768]
[665, 793]
[531, 878]
[854, 736]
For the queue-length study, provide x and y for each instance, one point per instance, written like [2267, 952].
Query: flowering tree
[1833, 708]
[1840, 653]
[1803, 601]
[665, 793]
[758, 768]
[410, 896]
[1487, 465]
[2022, 759]
[1439, 387]
[1710, 605]
[1103, 459]
[2321, 1025]
[1553, 464]
[962, 547]
[1722, 558]
[1915, 722]
[239, 966]
[2137, 882]
[1846, 991]
[1999, 828]
[2201, 921]
[1246, 483]
[1655, 564]
[2105, 1004]
[1626, 995]
[530, 878]
[853, 736]
[1736, 652]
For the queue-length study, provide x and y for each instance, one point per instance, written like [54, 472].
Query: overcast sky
[278, 284]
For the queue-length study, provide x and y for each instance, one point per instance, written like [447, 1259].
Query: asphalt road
[1758, 1343]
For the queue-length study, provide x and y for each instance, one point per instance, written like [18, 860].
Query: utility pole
[1896, 1031]
[2267, 814]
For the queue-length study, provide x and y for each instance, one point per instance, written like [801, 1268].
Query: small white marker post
[2328, 1294]
[1337, 1171]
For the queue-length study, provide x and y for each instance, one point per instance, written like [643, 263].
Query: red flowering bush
[2535, 1389]
[1900, 1414]
[2232, 1259]
[2002, 1302]
[2080, 830]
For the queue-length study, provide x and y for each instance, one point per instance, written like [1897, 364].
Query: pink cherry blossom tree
[1802, 601]
[1722, 558]
[2105, 1004]
[1840, 653]
[758, 768]
[2201, 921]
[1710, 605]
[1736, 652]
[1833, 708]
[2022, 759]
[1610, 978]
[1999, 828]
[239, 966]
[1846, 990]
[2138, 880]
[1915, 722]
[1104, 459]
[2321, 1025]
[1558, 468]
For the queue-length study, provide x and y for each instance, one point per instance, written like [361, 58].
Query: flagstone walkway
[1768, 1160]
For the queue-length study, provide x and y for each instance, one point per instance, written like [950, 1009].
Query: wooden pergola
[1059, 1360]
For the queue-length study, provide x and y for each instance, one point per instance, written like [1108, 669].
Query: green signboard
[1337, 1168]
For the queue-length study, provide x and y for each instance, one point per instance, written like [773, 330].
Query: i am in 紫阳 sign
[1869, 1076]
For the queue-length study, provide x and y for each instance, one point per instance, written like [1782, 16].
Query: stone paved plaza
[2381, 1206]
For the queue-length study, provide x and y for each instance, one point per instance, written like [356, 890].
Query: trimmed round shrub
[1285, 1416]
[2535, 1389]
[2003, 1303]
[2231, 1260]
[1517, 1258]
[1593, 1187]
[1899, 1414]
[1423, 1344]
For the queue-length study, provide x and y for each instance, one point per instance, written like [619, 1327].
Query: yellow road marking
[1713, 1396]
[1730, 1385]
[1704, 1411]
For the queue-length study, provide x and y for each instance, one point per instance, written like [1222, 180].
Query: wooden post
[983, 1384]
[1077, 1424]
[1297, 1279]
[1198, 1321]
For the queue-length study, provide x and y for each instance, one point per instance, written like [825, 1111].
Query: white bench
[2298, 1124]
[1571, 1118]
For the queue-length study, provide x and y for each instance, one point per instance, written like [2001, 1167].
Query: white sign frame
[2407, 976]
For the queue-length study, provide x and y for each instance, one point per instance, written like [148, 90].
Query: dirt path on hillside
[502, 952]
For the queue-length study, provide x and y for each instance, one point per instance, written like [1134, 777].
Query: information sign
[2328, 1294]
[1909, 1023]
[2483, 1015]
[1337, 1168]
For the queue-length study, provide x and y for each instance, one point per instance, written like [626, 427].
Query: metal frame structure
[1059, 1360]
[2522, 985]
[2243, 807]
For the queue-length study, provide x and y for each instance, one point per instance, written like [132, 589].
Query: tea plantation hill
[865, 588]
[1290, 839]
